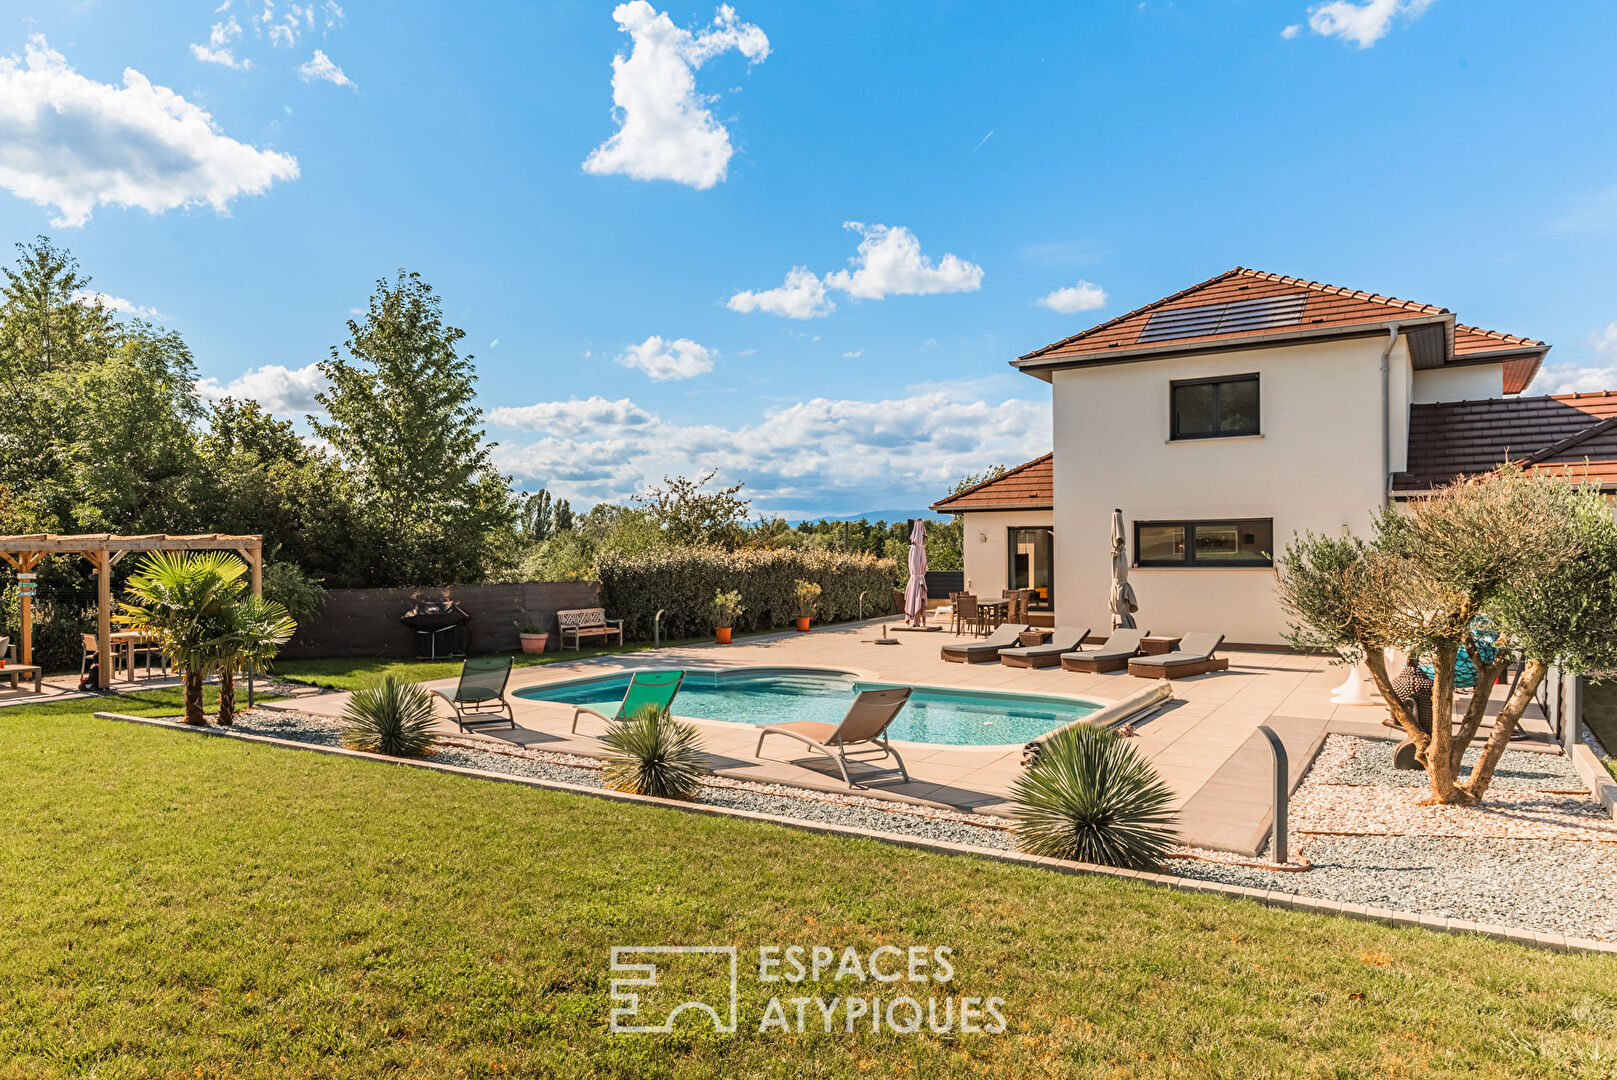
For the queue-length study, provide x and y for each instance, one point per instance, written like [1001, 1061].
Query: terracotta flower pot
[803, 623]
[722, 634]
[534, 643]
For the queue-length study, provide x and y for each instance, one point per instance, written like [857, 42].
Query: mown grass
[162, 701]
[181, 905]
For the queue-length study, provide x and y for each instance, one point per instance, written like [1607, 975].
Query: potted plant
[726, 606]
[533, 630]
[808, 602]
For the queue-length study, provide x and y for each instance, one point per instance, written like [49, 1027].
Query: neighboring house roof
[1448, 440]
[1029, 486]
[1242, 307]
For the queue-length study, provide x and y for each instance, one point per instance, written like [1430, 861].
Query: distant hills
[888, 516]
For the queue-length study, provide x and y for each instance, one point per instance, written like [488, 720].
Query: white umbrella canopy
[1123, 603]
[915, 593]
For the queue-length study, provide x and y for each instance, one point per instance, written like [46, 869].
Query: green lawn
[180, 905]
[167, 701]
[357, 673]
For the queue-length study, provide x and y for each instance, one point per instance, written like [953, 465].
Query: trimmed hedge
[682, 581]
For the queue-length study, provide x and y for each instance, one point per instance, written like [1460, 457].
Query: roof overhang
[1043, 367]
[1008, 508]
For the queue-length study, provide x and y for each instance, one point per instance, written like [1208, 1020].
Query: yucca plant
[1090, 797]
[393, 717]
[654, 754]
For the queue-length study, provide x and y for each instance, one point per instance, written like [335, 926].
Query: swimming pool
[934, 714]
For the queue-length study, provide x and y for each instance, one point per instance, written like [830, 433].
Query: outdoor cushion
[1192, 648]
[1064, 640]
[1120, 646]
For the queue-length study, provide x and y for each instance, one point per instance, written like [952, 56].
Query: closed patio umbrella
[1123, 604]
[915, 594]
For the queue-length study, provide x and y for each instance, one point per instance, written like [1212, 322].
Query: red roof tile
[1030, 486]
[1448, 440]
[1324, 310]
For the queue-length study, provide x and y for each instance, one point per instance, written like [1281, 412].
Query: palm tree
[255, 630]
[185, 600]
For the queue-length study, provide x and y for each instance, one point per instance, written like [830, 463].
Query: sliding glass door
[1032, 555]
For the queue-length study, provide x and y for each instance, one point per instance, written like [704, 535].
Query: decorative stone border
[1271, 897]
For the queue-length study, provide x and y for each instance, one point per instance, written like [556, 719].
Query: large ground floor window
[1235, 542]
[1032, 557]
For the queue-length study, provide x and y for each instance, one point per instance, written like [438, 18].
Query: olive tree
[1525, 555]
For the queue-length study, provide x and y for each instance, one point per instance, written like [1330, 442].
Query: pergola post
[255, 559]
[103, 617]
[25, 561]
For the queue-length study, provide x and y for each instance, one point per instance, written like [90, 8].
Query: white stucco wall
[1316, 466]
[1472, 382]
[984, 542]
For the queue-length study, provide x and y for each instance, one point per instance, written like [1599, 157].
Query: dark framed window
[1236, 542]
[1213, 408]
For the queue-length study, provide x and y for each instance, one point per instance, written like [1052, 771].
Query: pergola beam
[104, 550]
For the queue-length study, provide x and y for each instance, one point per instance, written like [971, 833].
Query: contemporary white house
[1226, 417]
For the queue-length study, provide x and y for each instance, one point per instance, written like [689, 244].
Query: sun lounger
[647, 690]
[1064, 640]
[481, 690]
[865, 725]
[1112, 656]
[985, 651]
[1193, 657]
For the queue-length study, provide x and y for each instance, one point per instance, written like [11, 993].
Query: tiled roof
[1463, 438]
[1030, 486]
[1325, 309]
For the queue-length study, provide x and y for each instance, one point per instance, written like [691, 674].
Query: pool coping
[1280, 898]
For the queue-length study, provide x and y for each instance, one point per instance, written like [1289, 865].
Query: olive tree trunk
[1441, 767]
[1504, 726]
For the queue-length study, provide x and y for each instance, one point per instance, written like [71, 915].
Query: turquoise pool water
[933, 715]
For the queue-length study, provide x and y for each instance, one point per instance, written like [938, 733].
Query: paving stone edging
[1270, 897]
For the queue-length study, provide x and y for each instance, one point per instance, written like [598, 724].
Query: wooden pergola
[104, 551]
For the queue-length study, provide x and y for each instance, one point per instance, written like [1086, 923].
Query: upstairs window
[1214, 408]
[1246, 542]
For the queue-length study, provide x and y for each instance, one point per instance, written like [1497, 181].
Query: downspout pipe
[1386, 413]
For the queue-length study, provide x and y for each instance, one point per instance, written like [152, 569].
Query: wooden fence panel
[365, 622]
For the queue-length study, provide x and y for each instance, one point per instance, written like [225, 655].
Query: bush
[301, 595]
[1090, 797]
[682, 580]
[58, 626]
[654, 754]
[727, 608]
[808, 599]
[394, 717]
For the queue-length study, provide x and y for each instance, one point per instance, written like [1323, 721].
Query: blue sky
[627, 280]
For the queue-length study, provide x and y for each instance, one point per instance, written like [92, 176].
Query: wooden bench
[587, 623]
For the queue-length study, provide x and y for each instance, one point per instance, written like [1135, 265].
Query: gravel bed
[1555, 888]
[1519, 770]
[848, 810]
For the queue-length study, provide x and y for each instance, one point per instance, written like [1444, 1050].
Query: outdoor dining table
[128, 641]
[993, 611]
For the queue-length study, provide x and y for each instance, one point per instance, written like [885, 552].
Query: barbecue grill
[440, 628]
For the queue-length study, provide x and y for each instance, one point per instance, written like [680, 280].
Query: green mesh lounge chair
[481, 691]
[647, 690]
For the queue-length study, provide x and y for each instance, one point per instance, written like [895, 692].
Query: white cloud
[802, 296]
[816, 455]
[282, 391]
[320, 67]
[1292, 31]
[853, 355]
[665, 128]
[72, 143]
[681, 358]
[1605, 341]
[1581, 378]
[888, 263]
[285, 24]
[1084, 296]
[219, 49]
[118, 305]
[1363, 23]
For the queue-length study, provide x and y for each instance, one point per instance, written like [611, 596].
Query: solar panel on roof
[1233, 317]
